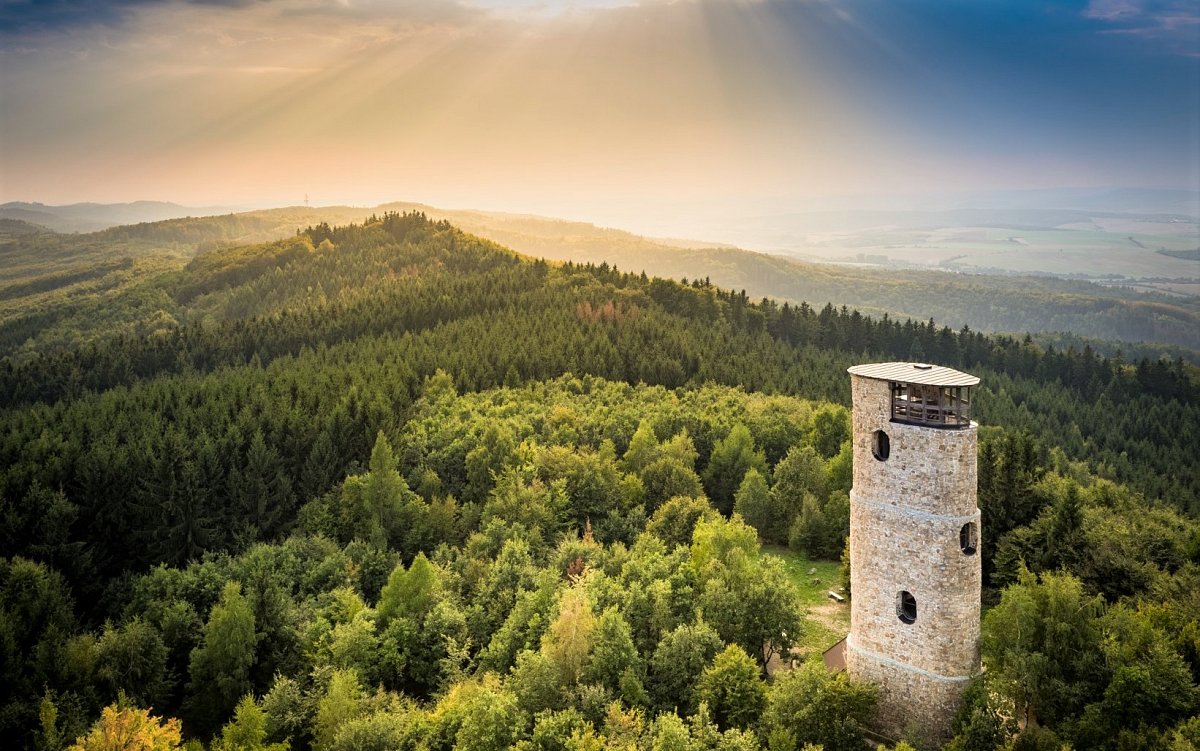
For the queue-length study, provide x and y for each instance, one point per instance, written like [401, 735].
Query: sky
[648, 114]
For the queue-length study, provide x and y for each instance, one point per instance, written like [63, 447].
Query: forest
[66, 287]
[994, 302]
[388, 486]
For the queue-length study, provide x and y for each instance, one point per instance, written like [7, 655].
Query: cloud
[1175, 23]
[1113, 10]
[20, 17]
[47, 15]
[24, 17]
[28, 16]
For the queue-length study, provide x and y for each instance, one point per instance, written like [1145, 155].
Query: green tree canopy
[678, 661]
[247, 731]
[409, 593]
[809, 705]
[675, 521]
[568, 641]
[220, 666]
[731, 457]
[1042, 645]
[613, 651]
[756, 505]
[732, 689]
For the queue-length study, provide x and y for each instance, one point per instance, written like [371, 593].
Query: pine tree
[321, 469]
[262, 492]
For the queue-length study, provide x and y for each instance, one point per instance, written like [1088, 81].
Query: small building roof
[914, 372]
[835, 657]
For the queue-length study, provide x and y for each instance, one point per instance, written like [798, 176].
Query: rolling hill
[57, 278]
[383, 464]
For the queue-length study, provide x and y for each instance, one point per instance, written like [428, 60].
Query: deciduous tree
[731, 457]
[220, 666]
[732, 689]
[123, 727]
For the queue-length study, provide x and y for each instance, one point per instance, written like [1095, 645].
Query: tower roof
[914, 372]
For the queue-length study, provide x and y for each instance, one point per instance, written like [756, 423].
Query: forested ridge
[392, 486]
[63, 312]
[997, 302]
[478, 311]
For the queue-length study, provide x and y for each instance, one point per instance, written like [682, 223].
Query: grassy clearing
[826, 621]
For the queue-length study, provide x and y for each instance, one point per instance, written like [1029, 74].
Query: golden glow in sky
[606, 111]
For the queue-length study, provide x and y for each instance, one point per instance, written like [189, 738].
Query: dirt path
[834, 616]
[831, 619]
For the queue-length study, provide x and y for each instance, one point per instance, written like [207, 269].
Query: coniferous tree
[184, 522]
[247, 731]
[262, 492]
[322, 467]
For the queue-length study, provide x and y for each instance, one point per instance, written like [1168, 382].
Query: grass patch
[826, 622]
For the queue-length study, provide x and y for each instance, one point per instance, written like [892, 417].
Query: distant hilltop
[91, 217]
[1100, 276]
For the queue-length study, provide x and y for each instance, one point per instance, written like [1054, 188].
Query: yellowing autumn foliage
[125, 728]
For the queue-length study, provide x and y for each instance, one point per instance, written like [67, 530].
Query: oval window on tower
[906, 607]
[968, 538]
[881, 446]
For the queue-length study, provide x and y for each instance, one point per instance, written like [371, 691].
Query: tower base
[912, 702]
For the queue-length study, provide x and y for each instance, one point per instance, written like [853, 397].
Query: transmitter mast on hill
[915, 573]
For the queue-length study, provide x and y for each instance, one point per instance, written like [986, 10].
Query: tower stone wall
[907, 516]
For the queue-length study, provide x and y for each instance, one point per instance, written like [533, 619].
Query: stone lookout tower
[915, 572]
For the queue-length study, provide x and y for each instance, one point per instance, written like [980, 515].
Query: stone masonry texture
[906, 515]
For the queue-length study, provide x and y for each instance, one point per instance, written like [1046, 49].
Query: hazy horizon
[652, 116]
